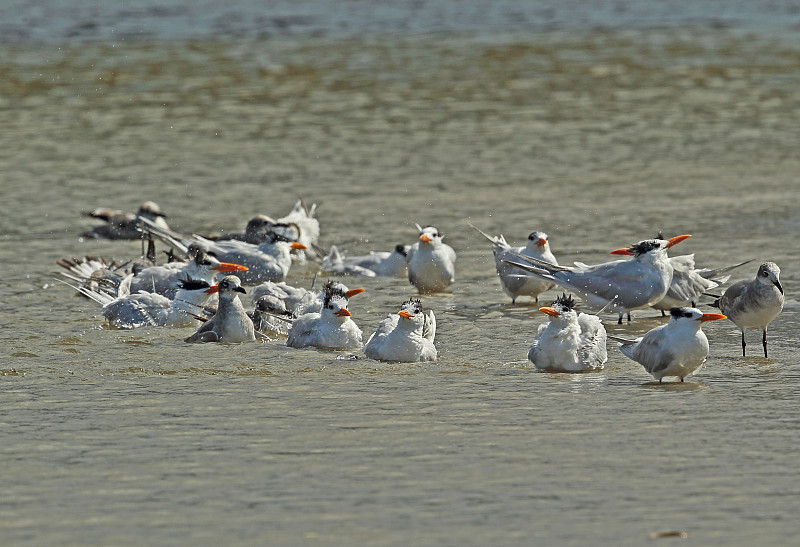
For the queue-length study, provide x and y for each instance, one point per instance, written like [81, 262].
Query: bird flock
[187, 290]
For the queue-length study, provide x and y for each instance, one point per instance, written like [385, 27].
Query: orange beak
[353, 292]
[228, 267]
[425, 238]
[712, 317]
[541, 242]
[675, 240]
[549, 311]
[625, 251]
[295, 245]
[404, 313]
[342, 313]
[212, 289]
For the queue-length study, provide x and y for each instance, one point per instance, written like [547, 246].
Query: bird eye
[765, 273]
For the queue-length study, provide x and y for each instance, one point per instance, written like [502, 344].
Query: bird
[334, 263]
[677, 348]
[754, 303]
[298, 300]
[620, 285]
[513, 280]
[431, 263]
[269, 315]
[144, 309]
[302, 217]
[230, 324]
[689, 283]
[254, 232]
[569, 342]
[331, 328]
[124, 225]
[405, 336]
[382, 263]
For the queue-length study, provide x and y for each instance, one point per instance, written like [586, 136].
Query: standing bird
[331, 328]
[431, 263]
[754, 303]
[514, 281]
[122, 225]
[620, 285]
[405, 336]
[230, 325]
[676, 349]
[569, 342]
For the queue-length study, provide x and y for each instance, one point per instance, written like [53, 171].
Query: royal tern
[677, 348]
[689, 283]
[298, 300]
[331, 328]
[514, 281]
[620, 285]
[754, 303]
[333, 263]
[144, 309]
[122, 225]
[230, 325]
[383, 263]
[303, 218]
[405, 336]
[431, 263]
[569, 342]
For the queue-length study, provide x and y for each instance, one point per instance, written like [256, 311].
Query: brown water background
[598, 125]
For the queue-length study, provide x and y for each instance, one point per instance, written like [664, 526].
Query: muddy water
[598, 137]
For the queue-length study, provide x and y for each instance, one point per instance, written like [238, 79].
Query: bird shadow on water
[674, 386]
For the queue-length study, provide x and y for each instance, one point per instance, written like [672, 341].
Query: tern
[754, 303]
[334, 263]
[569, 342]
[677, 348]
[298, 300]
[431, 263]
[331, 328]
[122, 225]
[382, 263]
[269, 315]
[230, 325]
[405, 336]
[303, 218]
[620, 285]
[514, 281]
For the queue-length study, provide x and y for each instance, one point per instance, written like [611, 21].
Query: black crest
[645, 246]
[565, 301]
[401, 249]
[680, 312]
[331, 290]
[415, 302]
[190, 284]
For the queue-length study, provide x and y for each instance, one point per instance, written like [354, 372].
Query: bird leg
[619, 321]
[764, 341]
[744, 344]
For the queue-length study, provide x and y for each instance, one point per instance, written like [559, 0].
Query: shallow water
[598, 137]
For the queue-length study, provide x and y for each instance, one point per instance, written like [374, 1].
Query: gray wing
[651, 352]
[593, 340]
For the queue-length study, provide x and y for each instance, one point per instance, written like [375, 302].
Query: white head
[650, 247]
[229, 287]
[429, 236]
[692, 317]
[562, 310]
[537, 241]
[411, 314]
[769, 274]
[334, 305]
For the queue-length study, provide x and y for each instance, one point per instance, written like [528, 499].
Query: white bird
[144, 309]
[431, 263]
[331, 328]
[382, 263]
[405, 336]
[677, 348]
[569, 342]
[689, 283]
[514, 281]
[754, 303]
[620, 285]
[230, 325]
[298, 300]
[334, 263]
[303, 218]
[122, 225]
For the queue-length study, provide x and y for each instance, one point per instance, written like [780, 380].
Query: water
[598, 134]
